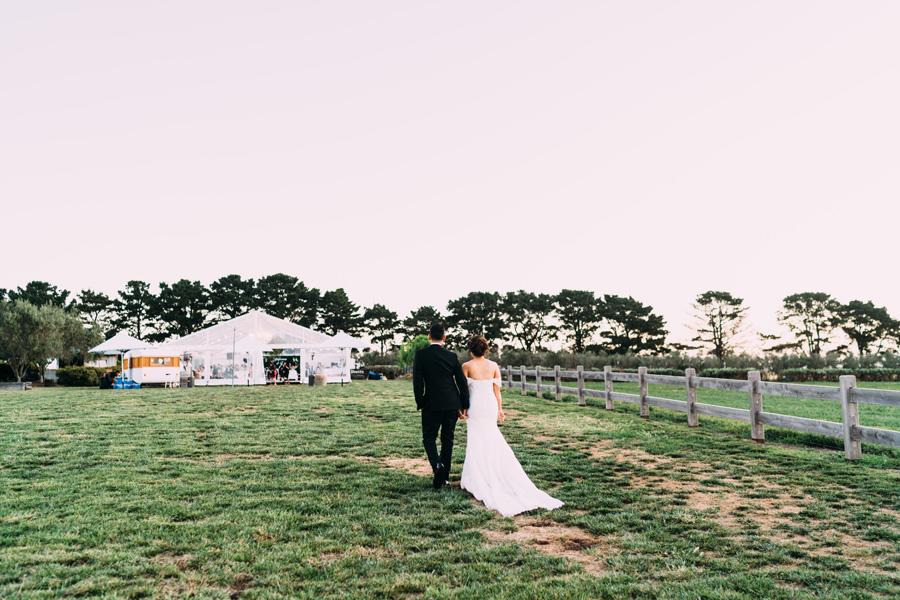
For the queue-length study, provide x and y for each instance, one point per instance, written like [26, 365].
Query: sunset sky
[411, 152]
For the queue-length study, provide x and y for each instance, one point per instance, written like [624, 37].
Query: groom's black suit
[441, 391]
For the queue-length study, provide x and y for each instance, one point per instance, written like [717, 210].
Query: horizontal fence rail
[550, 381]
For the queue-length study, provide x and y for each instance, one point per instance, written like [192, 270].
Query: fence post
[850, 412]
[757, 430]
[537, 380]
[558, 383]
[607, 386]
[642, 380]
[693, 417]
[522, 374]
[580, 370]
[509, 383]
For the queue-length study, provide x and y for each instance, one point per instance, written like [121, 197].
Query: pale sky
[411, 152]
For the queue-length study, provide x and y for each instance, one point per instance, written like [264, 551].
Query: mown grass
[296, 492]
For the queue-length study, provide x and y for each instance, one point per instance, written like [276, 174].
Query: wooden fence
[848, 394]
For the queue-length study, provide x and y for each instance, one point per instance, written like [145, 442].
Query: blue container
[124, 383]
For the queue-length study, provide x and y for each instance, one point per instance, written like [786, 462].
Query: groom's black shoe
[439, 479]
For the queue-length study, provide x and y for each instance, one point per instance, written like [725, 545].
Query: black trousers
[443, 421]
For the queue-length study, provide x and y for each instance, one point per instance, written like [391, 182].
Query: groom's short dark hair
[436, 332]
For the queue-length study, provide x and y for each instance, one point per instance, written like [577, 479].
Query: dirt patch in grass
[728, 508]
[734, 506]
[242, 410]
[240, 583]
[328, 558]
[188, 587]
[179, 561]
[546, 439]
[413, 466]
[635, 457]
[555, 539]
[224, 458]
[863, 555]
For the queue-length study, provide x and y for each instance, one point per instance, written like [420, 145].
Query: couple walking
[446, 391]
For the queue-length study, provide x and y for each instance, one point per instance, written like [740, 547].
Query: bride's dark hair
[478, 346]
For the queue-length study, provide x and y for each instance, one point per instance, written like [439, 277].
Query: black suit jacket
[438, 380]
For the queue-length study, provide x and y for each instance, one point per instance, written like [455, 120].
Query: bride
[491, 471]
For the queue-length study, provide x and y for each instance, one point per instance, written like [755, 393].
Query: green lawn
[317, 493]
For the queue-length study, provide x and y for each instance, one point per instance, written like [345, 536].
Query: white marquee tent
[115, 346]
[233, 352]
[121, 342]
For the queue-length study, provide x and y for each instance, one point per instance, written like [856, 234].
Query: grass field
[319, 493]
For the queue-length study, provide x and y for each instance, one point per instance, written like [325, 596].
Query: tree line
[580, 320]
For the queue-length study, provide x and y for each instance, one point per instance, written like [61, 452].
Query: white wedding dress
[491, 471]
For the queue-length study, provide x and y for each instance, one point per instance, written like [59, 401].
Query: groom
[442, 394]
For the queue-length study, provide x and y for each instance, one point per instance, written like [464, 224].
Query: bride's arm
[500, 416]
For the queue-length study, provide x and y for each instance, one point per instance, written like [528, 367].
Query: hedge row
[79, 376]
[789, 375]
[797, 375]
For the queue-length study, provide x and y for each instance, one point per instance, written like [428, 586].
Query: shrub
[79, 376]
[376, 358]
[652, 371]
[724, 373]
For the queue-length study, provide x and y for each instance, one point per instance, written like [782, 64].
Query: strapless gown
[491, 471]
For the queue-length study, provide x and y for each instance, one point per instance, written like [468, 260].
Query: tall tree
[866, 324]
[420, 321]
[381, 324]
[407, 353]
[133, 309]
[77, 339]
[721, 317]
[631, 326]
[811, 317]
[32, 335]
[180, 309]
[40, 293]
[94, 308]
[3, 294]
[308, 313]
[476, 313]
[576, 311]
[338, 313]
[19, 324]
[527, 316]
[231, 296]
[286, 297]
